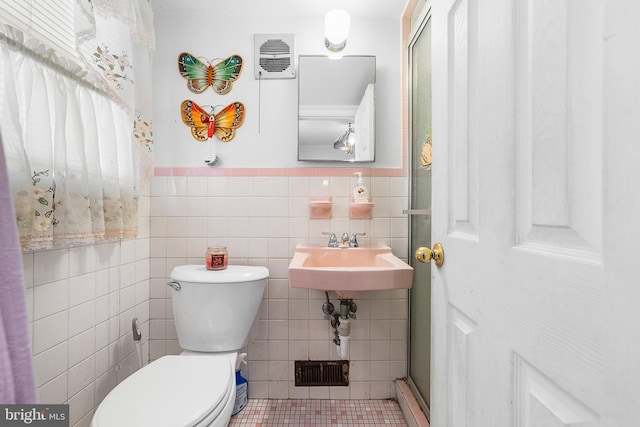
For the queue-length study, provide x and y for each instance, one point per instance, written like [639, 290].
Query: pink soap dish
[360, 210]
[320, 207]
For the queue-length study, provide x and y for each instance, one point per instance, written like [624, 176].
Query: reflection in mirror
[336, 108]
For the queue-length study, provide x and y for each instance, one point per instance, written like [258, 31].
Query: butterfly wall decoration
[201, 75]
[205, 125]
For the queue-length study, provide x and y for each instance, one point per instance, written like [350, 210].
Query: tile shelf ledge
[290, 172]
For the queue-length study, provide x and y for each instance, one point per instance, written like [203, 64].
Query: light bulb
[336, 29]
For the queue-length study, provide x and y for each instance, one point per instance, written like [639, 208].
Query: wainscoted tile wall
[81, 300]
[80, 303]
[261, 219]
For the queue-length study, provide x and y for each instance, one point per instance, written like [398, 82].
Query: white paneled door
[536, 200]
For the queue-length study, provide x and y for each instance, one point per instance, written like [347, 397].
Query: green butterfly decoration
[201, 75]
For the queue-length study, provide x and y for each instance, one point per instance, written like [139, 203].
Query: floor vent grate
[322, 372]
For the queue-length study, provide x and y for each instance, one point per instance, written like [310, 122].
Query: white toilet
[213, 312]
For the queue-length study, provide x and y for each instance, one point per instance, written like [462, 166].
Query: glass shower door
[420, 211]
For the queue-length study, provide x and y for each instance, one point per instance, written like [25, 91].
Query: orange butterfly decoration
[205, 125]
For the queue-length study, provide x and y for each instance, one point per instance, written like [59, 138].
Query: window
[50, 21]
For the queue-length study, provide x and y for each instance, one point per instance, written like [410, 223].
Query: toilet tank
[214, 310]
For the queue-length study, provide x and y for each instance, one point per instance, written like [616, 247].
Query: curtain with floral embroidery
[77, 131]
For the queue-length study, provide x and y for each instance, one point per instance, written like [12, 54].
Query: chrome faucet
[353, 241]
[333, 240]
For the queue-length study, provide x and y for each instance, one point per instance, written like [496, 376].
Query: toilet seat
[170, 392]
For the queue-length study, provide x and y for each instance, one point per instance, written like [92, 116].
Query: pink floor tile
[319, 413]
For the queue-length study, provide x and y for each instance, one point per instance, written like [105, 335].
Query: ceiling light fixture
[336, 29]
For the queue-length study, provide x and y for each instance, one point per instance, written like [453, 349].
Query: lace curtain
[78, 138]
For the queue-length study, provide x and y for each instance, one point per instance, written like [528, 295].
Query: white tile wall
[81, 300]
[261, 220]
[80, 304]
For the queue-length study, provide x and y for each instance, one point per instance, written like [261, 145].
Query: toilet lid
[231, 274]
[171, 391]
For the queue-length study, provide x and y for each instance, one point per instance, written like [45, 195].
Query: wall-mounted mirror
[336, 108]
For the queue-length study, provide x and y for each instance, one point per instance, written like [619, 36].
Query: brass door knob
[424, 254]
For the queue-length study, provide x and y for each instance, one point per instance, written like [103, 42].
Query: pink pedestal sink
[348, 270]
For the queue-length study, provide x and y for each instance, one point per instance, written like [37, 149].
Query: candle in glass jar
[217, 258]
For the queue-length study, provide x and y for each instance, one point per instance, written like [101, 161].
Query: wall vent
[274, 56]
[322, 372]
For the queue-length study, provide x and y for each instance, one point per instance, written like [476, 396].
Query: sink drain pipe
[341, 323]
[344, 330]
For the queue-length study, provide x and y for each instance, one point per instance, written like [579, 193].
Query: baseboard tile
[411, 410]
